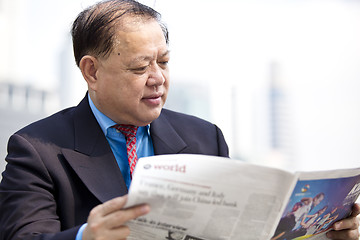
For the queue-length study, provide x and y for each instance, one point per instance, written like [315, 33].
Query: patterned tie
[129, 132]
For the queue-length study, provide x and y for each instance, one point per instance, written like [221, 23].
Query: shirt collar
[104, 121]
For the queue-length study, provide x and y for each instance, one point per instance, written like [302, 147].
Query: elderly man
[68, 175]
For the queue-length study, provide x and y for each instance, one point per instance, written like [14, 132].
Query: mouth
[153, 99]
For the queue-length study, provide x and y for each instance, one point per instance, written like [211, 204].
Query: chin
[145, 114]
[151, 116]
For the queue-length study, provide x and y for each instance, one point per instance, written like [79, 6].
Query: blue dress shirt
[117, 141]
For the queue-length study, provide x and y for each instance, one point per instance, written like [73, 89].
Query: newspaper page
[197, 197]
[318, 200]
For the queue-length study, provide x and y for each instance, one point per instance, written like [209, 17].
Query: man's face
[132, 83]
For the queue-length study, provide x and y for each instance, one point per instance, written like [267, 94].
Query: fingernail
[337, 225]
[145, 209]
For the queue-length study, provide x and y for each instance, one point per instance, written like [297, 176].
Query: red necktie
[129, 132]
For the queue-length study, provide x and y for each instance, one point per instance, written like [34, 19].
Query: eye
[163, 64]
[139, 70]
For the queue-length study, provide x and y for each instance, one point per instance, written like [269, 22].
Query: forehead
[139, 34]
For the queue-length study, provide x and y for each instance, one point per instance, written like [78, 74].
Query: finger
[98, 214]
[355, 210]
[99, 225]
[344, 235]
[121, 233]
[347, 223]
[112, 205]
[118, 218]
[352, 222]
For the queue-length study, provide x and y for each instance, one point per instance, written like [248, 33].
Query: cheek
[135, 88]
[128, 85]
[167, 78]
[166, 74]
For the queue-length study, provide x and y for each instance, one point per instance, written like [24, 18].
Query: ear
[89, 66]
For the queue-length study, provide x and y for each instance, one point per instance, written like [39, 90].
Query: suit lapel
[92, 158]
[165, 138]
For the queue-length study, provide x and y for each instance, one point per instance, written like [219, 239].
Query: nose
[156, 76]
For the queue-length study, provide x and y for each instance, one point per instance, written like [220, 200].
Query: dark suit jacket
[60, 167]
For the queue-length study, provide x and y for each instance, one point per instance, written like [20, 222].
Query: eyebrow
[165, 53]
[147, 58]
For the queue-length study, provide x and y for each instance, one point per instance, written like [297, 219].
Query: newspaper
[198, 197]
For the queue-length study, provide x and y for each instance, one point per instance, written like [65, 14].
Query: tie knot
[127, 130]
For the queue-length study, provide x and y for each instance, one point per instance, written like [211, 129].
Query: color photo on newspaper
[315, 205]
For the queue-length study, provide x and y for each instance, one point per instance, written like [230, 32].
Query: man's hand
[347, 229]
[107, 220]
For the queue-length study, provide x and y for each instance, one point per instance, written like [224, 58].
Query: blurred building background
[280, 78]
